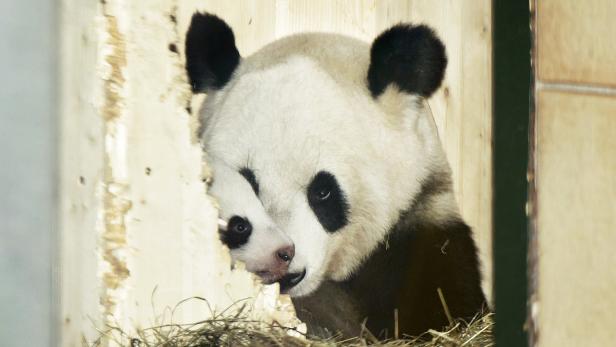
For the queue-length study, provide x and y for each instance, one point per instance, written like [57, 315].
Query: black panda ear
[211, 55]
[411, 57]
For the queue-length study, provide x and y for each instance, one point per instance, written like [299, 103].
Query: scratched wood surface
[461, 108]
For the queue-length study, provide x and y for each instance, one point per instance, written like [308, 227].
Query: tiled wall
[575, 163]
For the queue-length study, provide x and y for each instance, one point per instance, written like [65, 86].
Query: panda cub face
[334, 147]
[246, 229]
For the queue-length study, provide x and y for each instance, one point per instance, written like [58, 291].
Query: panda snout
[278, 265]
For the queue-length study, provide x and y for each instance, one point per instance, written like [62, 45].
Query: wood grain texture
[462, 108]
[354, 18]
[253, 22]
[576, 225]
[576, 41]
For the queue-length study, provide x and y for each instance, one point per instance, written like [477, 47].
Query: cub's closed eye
[249, 175]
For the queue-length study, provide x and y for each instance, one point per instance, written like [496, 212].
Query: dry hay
[238, 330]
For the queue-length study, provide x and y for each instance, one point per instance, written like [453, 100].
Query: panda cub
[246, 229]
[335, 139]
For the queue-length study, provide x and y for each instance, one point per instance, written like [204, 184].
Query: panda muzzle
[278, 266]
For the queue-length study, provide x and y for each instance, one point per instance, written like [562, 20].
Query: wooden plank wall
[575, 163]
[462, 107]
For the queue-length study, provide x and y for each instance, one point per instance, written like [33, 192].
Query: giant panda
[337, 141]
[246, 229]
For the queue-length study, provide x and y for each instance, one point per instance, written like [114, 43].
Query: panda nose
[278, 264]
[286, 254]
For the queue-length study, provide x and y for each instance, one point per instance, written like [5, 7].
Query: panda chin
[290, 280]
[305, 287]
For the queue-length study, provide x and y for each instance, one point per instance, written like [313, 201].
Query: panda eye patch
[327, 201]
[237, 233]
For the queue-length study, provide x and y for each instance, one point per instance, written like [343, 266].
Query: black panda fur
[411, 57]
[211, 54]
[419, 256]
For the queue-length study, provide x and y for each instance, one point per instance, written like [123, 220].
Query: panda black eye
[323, 190]
[323, 194]
[239, 225]
[237, 233]
[240, 228]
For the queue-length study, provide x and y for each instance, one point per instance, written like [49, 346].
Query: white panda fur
[312, 102]
[260, 244]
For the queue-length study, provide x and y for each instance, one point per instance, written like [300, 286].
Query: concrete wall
[27, 171]
[575, 172]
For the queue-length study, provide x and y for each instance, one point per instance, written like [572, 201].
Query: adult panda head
[245, 228]
[332, 134]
